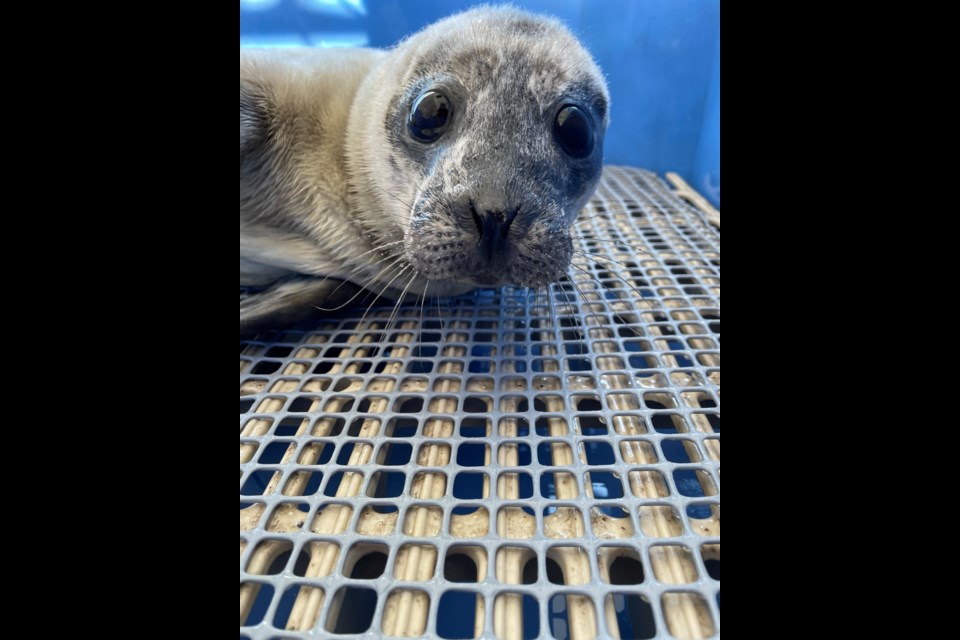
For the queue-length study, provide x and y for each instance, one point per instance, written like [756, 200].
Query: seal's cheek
[582, 176]
[543, 256]
[437, 242]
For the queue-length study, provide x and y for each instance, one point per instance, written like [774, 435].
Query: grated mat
[508, 464]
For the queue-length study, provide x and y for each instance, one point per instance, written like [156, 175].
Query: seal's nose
[492, 229]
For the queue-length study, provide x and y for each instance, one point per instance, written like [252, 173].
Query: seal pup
[458, 159]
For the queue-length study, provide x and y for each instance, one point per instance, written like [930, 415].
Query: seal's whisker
[366, 287]
[377, 248]
[590, 304]
[423, 298]
[399, 303]
[634, 245]
[597, 259]
[364, 265]
[569, 302]
[612, 211]
[582, 219]
[377, 297]
[397, 198]
[356, 270]
[443, 325]
[354, 297]
[617, 241]
[388, 256]
[601, 287]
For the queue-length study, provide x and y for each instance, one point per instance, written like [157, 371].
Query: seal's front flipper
[292, 301]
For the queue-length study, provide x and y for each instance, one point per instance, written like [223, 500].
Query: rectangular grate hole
[554, 454]
[571, 616]
[468, 485]
[515, 612]
[394, 454]
[568, 565]
[473, 523]
[563, 522]
[423, 521]
[710, 553]
[288, 517]
[366, 561]
[470, 454]
[458, 614]
[351, 610]
[515, 486]
[256, 483]
[401, 428]
[415, 562]
[254, 600]
[633, 615]
[687, 615]
[660, 521]
[648, 484]
[680, 450]
[611, 522]
[620, 565]
[399, 602]
[332, 519]
[704, 518]
[269, 557]
[603, 485]
[693, 483]
[555, 485]
[316, 452]
[465, 564]
[516, 565]
[673, 564]
[377, 520]
[386, 484]
[299, 618]
[516, 522]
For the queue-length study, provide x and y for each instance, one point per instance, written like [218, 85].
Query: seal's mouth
[453, 254]
[506, 243]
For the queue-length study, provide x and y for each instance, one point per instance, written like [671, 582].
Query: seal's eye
[430, 116]
[574, 131]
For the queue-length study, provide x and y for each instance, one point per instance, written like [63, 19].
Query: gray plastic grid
[514, 464]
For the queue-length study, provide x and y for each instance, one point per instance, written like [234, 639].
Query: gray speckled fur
[333, 186]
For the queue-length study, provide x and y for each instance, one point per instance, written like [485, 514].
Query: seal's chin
[487, 279]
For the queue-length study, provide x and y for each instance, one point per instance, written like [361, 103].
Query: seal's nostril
[493, 226]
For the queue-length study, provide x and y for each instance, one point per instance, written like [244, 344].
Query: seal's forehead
[487, 47]
[480, 64]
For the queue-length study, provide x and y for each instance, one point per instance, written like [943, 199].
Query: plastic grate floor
[509, 464]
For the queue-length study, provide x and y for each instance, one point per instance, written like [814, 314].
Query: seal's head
[488, 146]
